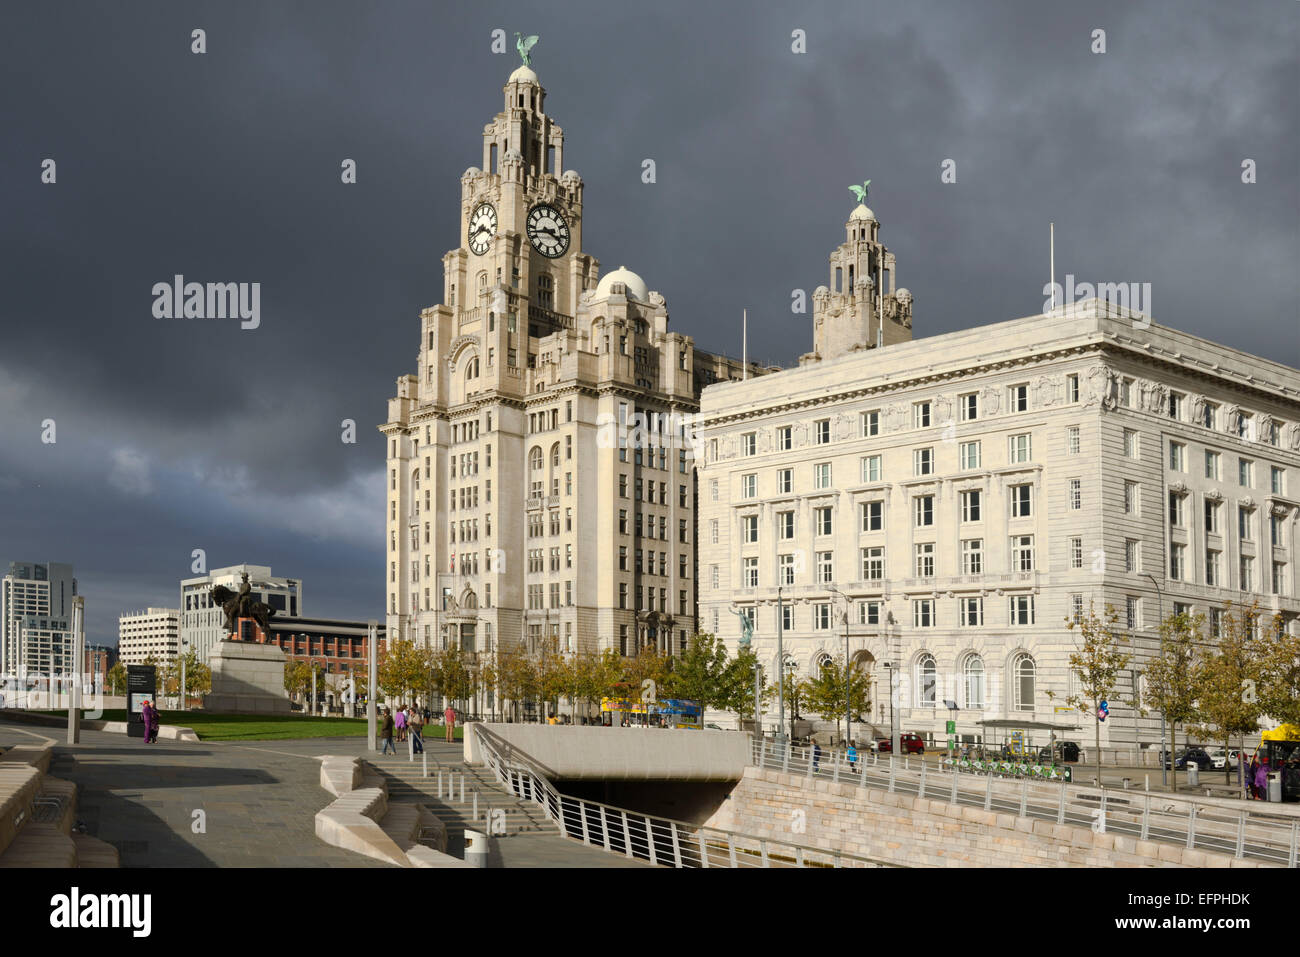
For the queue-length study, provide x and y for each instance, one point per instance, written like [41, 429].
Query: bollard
[1127, 782]
[1193, 773]
[462, 787]
[476, 848]
[921, 793]
[424, 762]
[1147, 785]
[440, 783]
[474, 816]
[410, 748]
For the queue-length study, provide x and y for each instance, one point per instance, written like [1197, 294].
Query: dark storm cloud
[225, 167]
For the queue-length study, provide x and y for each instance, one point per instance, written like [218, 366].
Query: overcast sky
[225, 166]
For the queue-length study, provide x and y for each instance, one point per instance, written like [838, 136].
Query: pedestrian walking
[416, 725]
[852, 755]
[1261, 779]
[399, 723]
[147, 718]
[449, 720]
[386, 732]
[817, 755]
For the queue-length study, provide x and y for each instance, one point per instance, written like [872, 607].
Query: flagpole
[1053, 254]
[744, 345]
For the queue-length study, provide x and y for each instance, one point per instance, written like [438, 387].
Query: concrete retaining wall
[911, 832]
[586, 752]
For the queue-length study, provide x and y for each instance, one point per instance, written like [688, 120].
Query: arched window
[927, 680]
[546, 291]
[482, 279]
[1024, 673]
[536, 459]
[555, 455]
[973, 673]
[823, 661]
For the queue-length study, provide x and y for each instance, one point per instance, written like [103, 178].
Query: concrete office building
[960, 496]
[202, 624]
[516, 509]
[36, 618]
[153, 633]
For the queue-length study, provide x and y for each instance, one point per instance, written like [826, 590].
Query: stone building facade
[518, 509]
[948, 502]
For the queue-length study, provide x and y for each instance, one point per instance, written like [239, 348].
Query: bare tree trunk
[1173, 771]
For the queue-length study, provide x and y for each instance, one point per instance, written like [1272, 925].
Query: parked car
[1197, 756]
[1066, 750]
[909, 743]
[1234, 758]
[1218, 757]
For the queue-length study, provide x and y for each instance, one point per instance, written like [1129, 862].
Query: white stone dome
[570, 176]
[902, 294]
[863, 212]
[635, 285]
[523, 75]
[513, 154]
[472, 171]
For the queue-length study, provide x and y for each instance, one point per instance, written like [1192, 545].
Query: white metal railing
[658, 840]
[1246, 832]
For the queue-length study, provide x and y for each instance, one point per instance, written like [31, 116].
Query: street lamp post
[891, 631]
[780, 671]
[372, 654]
[1160, 605]
[184, 696]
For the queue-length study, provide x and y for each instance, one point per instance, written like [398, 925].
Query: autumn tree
[1101, 655]
[833, 686]
[1171, 684]
[1279, 671]
[701, 673]
[1227, 679]
[401, 668]
[117, 678]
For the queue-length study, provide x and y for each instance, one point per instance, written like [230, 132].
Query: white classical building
[961, 496]
[202, 623]
[153, 633]
[513, 512]
[36, 619]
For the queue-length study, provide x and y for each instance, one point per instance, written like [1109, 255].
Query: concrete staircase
[38, 815]
[497, 808]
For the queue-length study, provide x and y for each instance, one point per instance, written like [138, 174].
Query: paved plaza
[259, 802]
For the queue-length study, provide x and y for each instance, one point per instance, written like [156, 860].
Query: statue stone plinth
[247, 678]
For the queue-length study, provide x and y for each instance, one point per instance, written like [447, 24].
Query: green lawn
[253, 727]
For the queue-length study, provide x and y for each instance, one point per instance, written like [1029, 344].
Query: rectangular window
[870, 422]
[924, 554]
[921, 415]
[821, 617]
[823, 520]
[822, 431]
[1021, 501]
[1019, 398]
[784, 438]
[749, 524]
[1076, 552]
[1021, 449]
[1245, 472]
[1277, 478]
[1022, 553]
[750, 576]
[1130, 444]
[873, 516]
[971, 612]
[1212, 465]
[1072, 387]
[970, 406]
[1177, 562]
[1076, 494]
[1177, 457]
[1132, 612]
[972, 556]
[1213, 562]
[787, 617]
[869, 613]
[1275, 530]
[971, 500]
[924, 510]
[1244, 531]
[748, 443]
[1132, 499]
[713, 531]
[826, 568]
[969, 455]
[748, 486]
[923, 613]
[785, 568]
[785, 525]
[822, 475]
[1210, 416]
[785, 481]
[1212, 517]
[1175, 405]
[1176, 509]
[1072, 440]
[1132, 555]
[1247, 572]
[1022, 609]
[922, 461]
[871, 471]
[873, 564]
[1076, 608]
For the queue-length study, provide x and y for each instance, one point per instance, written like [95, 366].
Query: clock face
[482, 227]
[547, 231]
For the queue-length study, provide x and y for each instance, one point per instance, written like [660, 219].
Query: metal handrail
[658, 840]
[1240, 832]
